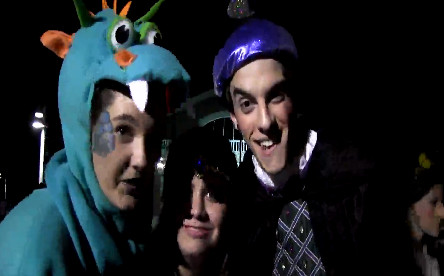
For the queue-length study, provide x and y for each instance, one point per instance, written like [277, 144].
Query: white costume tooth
[139, 93]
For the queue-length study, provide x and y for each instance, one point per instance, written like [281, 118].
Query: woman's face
[125, 148]
[429, 210]
[201, 229]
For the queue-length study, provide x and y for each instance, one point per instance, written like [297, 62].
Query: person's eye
[210, 197]
[245, 103]
[246, 106]
[278, 98]
[124, 132]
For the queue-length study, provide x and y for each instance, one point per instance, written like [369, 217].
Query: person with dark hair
[426, 213]
[311, 201]
[94, 217]
[192, 233]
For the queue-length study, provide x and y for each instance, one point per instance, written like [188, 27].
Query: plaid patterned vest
[296, 252]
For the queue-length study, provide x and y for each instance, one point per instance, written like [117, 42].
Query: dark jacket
[353, 194]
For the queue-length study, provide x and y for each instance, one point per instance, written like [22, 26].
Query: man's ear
[57, 41]
[233, 118]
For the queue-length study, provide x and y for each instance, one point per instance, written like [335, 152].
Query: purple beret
[254, 39]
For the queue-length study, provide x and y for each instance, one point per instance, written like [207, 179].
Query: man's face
[125, 147]
[261, 111]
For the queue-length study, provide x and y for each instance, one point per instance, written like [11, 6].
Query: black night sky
[371, 62]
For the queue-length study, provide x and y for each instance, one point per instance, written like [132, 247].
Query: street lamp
[40, 125]
[160, 165]
[5, 184]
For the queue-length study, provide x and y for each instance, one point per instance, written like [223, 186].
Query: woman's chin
[126, 203]
[193, 247]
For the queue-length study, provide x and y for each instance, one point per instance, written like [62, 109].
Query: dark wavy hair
[213, 151]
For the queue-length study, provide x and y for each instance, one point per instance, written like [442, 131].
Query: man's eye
[278, 98]
[245, 104]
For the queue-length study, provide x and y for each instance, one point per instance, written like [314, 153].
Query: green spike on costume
[150, 13]
[148, 26]
[84, 16]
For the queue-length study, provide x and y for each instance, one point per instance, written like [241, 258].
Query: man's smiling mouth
[266, 146]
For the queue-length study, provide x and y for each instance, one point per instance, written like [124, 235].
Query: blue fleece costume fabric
[71, 228]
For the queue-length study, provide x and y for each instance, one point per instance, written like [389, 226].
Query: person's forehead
[258, 77]
[122, 104]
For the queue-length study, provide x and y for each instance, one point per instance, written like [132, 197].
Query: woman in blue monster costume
[94, 215]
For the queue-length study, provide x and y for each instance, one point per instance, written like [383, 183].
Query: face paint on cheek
[103, 139]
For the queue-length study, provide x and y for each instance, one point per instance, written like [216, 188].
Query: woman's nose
[440, 210]
[197, 205]
[138, 160]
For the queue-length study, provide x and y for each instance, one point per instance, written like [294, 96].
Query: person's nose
[264, 118]
[138, 160]
[124, 58]
[197, 205]
[439, 210]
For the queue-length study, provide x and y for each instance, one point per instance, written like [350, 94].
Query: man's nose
[197, 205]
[264, 118]
[138, 160]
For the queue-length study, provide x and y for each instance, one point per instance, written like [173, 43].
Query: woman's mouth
[134, 186]
[196, 232]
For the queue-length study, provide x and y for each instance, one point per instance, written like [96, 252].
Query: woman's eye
[123, 130]
[210, 197]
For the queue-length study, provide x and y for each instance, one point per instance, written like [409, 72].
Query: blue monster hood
[90, 56]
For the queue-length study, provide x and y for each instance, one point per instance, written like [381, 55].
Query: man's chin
[271, 166]
[273, 170]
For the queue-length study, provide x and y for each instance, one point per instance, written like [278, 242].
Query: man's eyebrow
[279, 86]
[127, 118]
[240, 92]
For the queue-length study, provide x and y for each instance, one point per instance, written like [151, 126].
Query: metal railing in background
[165, 146]
[239, 147]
